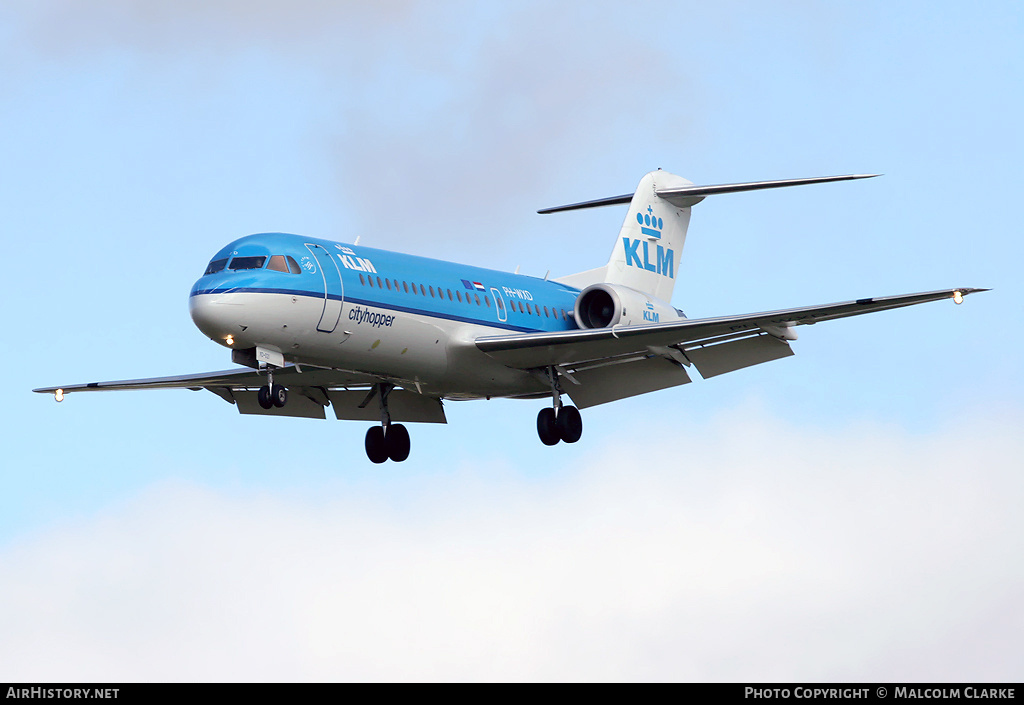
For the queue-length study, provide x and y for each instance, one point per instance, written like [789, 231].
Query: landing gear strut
[559, 423]
[389, 440]
[270, 394]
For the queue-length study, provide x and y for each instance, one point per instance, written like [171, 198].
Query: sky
[850, 513]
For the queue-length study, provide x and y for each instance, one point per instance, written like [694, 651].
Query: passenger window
[278, 264]
[521, 309]
[487, 300]
[406, 287]
[215, 266]
[293, 266]
[450, 297]
[477, 297]
[361, 280]
[546, 312]
[501, 306]
[388, 282]
[369, 280]
[380, 284]
[423, 291]
[536, 308]
[247, 263]
[431, 292]
[396, 286]
[459, 294]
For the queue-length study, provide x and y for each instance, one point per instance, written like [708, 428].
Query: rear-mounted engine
[605, 305]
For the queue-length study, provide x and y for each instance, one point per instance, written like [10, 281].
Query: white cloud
[740, 550]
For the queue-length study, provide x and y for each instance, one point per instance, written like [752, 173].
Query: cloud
[740, 549]
[467, 143]
[449, 117]
[63, 29]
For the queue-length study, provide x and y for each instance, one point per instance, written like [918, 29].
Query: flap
[297, 405]
[604, 384]
[404, 406]
[712, 360]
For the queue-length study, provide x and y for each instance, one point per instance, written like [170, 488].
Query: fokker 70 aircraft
[386, 337]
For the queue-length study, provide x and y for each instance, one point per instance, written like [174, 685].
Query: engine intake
[598, 308]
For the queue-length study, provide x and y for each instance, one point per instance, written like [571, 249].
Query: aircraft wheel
[547, 428]
[397, 441]
[263, 397]
[570, 424]
[376, 449]
[279, 396]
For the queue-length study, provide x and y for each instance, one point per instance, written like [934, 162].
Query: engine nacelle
[605, 305]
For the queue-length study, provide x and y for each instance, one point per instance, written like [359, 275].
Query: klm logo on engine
[639, 254]
[650, 314]
[657, 259]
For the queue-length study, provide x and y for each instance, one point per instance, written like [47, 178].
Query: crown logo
[649, 223]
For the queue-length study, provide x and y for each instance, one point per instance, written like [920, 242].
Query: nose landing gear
[270, 394]
[389, 440]
[559, 423]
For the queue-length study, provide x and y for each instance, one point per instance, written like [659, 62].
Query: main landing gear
[270, 394]
[559, 423]
[389, 440]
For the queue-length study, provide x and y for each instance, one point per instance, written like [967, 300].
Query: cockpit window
[247, 263]
[278, 264]
[293, 266]
[215, 266]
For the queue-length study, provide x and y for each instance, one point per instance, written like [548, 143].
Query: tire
[570, 424]
[376, 449]
[547, 429]
[279, 396]
[397, 441]
[263, 397]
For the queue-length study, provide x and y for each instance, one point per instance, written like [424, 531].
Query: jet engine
[605, 305]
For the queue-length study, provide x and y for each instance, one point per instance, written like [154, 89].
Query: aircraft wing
[311, 391]
[713, 345]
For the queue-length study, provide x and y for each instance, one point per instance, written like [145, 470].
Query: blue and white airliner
[386, 337]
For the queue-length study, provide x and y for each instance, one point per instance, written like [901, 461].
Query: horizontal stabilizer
[691, 195]
[610, 201]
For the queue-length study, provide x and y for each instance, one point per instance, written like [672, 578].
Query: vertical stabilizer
[650, 243]
[647, 252]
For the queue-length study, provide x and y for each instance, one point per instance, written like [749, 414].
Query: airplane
[387, 337]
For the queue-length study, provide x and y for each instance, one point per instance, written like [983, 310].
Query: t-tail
[650, 243]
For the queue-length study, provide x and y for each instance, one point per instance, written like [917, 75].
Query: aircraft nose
[217, 316]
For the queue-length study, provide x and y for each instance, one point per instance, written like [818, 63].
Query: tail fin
[647, 252]
[650, 244]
